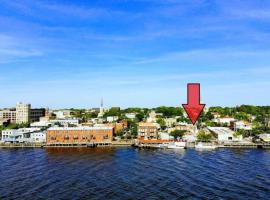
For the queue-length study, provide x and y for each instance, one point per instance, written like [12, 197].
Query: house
[224, 134]
[170, 122]
[224, 120]
[147, 130]
[183, 126]
[236, 125]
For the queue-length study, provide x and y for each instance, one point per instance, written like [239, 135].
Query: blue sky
[134, 52]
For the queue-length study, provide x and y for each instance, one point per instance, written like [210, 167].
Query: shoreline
[221, 146]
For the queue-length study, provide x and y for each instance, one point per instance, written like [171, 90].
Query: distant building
[8, 114]
[79, 135]
[153, 117]
[65, 122]
[22, 113]
[184, 127]
[62, 114]
[112, 118]
[147, 130]
[224, 120]
[165, 136]
[130, 115]
[170, 122]
[237, 125]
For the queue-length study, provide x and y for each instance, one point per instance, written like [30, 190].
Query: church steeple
[101, 109]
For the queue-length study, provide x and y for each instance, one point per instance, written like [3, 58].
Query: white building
[130, 115]
[112, 118]
[22, 113]
[165, 136]
[38, 137]
[41, 124]
[241, 125]
[65, 122]
[62, 114]
[224, 120]
[23, 135]
[225, 134]
[170, 122]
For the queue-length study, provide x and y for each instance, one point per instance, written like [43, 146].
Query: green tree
[204, 137]
[177, 133]
[162, 123]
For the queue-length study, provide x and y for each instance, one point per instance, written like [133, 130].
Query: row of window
[83, 137]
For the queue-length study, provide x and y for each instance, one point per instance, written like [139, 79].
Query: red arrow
[193, 108]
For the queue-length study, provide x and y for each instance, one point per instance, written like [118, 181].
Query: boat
[202, 145]
[177, 145]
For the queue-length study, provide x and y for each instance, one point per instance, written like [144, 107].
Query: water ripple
[127, 173]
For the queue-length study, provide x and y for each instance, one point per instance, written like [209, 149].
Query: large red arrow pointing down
[193, 107]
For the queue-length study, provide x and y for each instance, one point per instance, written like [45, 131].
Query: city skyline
[138, 53]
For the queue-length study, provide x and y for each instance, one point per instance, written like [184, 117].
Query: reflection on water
[128, 173]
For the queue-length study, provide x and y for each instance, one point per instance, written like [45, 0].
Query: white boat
[202, 145]
[177, 145]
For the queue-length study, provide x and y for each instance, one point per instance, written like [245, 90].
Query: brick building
[79, 135]
[147, 130]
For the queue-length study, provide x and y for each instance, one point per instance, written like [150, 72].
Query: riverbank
[130, 143]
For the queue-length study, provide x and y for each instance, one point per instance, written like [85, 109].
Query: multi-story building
[147, 130]
[23, 135]
[8, 114]
[79, 135]
[24, 113]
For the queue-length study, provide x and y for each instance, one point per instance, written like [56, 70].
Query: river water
[128, 173]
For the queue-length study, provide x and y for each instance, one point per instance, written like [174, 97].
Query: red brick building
[79, 135]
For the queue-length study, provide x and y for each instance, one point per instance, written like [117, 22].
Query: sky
[134, 53]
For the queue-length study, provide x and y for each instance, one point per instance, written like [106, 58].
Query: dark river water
[128, 173]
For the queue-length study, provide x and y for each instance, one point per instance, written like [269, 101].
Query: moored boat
[177, 145]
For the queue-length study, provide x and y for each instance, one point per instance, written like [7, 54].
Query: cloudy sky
[134, 52]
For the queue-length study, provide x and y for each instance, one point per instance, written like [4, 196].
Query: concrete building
[237, 125]
[65, 122]
[224, 120]
[112, 118]
[23, 135]
[62, 114]
[147, 130]
[79, 135]
[24, 113]
[224, 134]
[8, 114]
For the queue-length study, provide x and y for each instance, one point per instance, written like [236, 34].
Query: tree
[162, 123]
[177, 133]
[204, 137]
[140, 116]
